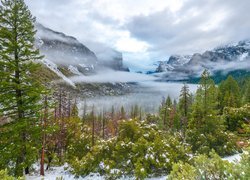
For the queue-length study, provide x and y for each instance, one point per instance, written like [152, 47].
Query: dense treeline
[38, 125]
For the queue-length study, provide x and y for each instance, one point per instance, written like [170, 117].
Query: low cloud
[113, 77]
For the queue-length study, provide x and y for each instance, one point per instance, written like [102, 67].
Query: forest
[186, 139]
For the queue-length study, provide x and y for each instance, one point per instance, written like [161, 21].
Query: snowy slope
[52, 66]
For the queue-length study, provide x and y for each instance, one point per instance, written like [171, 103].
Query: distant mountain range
[66, 56]
[230, 59]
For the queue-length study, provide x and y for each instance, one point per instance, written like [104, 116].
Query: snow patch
[74, 70]
[243, 56]
[233, 159]
[52, 66]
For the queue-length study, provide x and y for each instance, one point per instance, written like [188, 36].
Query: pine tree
[246, 92]
[229, 93]
[165, 111]
[123, 113]
[44, 124]
[184, 106]
[20, 94]
[92, 117]
[185, 100]
[205, 104]
[206, 129]
[74, 110]
[85, 107]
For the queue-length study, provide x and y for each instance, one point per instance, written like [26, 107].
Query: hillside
[66, 57]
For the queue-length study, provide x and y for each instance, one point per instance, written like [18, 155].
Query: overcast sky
[147, 30]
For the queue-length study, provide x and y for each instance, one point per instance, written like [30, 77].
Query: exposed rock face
[65, 50]
[173, 62]
[224, 58]
[113, 59]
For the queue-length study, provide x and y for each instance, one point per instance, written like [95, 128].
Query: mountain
[173, 62]
[219, 61]
[64, 50]
[111, 58]
[66, 56]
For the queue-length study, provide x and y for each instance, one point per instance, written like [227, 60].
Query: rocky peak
[64, 50]
[231, 57]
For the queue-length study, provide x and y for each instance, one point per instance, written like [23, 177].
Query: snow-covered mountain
[226, 58]
[63, 52]
[173, 62]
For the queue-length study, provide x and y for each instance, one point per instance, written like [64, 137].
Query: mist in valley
[148, 96]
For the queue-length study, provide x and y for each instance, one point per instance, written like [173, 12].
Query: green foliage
[4, 176]
[183, 171]
[78, 139]
[206, 129]
[140, 149]
[236, 117]
[242, 169]
[168, 115]
[246, 91]
[44, 75]
[185, 101]
[20, 94]
[229, 93]
[212, 167]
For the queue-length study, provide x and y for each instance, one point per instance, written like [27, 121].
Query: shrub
[213, 167]
[140, 149]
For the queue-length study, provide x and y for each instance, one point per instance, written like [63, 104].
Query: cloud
[148, 95]
[197, 26]
[226, 67]
[148, 28]
[113, 77]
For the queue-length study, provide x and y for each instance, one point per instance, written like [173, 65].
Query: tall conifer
[20, 94]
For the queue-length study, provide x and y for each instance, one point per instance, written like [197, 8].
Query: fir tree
[206, 129]
[165, 111]
[123, 113]
[229, 93]
[205, 104]
[74, 111]
[246, 92]
[19, 93]
[184, 106]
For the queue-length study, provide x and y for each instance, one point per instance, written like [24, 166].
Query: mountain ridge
[225, 59]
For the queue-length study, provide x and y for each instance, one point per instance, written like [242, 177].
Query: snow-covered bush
[212, 167]
[4, 176]
[218, 139]
[235, 118]
[140, 149]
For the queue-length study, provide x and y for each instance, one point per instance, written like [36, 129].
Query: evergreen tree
[123, 113]
[184, 106]
[206, 129]
[229, 93]
[165, 112]
[74, 111]
[246, 92]
[19, 93]
[205, 103]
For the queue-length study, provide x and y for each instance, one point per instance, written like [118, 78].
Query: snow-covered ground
[233, 159]
[62, 172]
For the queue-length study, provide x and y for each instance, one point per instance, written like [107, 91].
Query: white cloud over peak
[146, 30]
